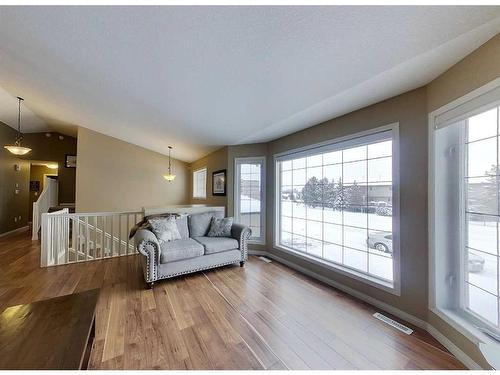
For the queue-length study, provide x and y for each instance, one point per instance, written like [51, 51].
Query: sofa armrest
[147, 245]
[241, 233]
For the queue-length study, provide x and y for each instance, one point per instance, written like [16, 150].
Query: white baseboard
[18, 230]
[455, 350]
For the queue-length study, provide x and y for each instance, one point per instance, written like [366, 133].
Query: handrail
[99, 214]
[48, 198]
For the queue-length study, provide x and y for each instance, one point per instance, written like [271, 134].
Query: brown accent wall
[215, 161]
[113, 175]
[11, 204]
[54, 149]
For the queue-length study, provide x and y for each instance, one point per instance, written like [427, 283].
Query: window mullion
[498, 212]
[367, 230]
[342, 207]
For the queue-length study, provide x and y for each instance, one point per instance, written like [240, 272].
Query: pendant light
[169, 177]
[16, 148]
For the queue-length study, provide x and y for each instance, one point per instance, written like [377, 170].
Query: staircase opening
[39, 172]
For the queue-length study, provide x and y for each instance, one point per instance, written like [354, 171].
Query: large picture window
[337, 203]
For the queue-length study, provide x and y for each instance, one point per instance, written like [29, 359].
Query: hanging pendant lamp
[169, 177]
[17, 148]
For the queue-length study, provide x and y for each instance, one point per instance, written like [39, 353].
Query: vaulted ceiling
[201, 77]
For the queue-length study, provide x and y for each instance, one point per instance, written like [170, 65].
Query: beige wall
[475, 70]
[11, 204]
[215, 161]
[113, 175]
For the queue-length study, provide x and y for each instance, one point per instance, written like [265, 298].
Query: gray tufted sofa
[194, 251]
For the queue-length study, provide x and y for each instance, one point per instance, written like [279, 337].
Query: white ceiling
[201, 77]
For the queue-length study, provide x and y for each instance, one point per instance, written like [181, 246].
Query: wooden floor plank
[262, 316]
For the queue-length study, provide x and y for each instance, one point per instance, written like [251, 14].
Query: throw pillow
[165, 229]
[220, 227]
[144, 223]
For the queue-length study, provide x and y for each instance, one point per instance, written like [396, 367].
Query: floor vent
[267, 260]
[393, 323]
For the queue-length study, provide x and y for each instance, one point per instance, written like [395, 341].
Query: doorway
[39, 172]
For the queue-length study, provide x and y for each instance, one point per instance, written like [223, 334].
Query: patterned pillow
[220, 227]
[165, 228]
[144, 223]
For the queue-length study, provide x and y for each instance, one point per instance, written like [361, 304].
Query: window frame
[195, 181]
[464, 272]
[252, 160]
[461, 318]
[348, 141]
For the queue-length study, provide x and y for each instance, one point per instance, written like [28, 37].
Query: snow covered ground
[319, 232]
[482, 235]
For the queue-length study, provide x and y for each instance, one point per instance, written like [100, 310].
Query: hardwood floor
[262, 316]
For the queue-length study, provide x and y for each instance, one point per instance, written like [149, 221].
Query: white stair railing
[48, 198]
[79, 237]
[54, 234]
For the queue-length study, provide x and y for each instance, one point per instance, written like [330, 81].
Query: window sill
[489, 347]
[380, 284]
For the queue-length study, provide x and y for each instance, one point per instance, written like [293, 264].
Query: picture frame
[219, 183]
[35, 186]
[70, 161]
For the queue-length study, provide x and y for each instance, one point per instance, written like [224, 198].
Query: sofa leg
[151, 285]
[242, 263]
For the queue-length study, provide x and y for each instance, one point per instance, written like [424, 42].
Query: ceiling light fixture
[16, 148]
[169, 177]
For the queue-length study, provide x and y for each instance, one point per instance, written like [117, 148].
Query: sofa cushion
[220, 227]
[199, 224]
[164, 228]
[217, 244]
[180, 249]
[182, 225]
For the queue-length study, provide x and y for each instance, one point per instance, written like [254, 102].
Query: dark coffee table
[54, 334]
